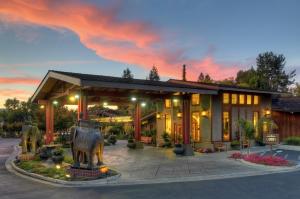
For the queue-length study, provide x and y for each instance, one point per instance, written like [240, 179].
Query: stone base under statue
[83, 172]
[26, 156]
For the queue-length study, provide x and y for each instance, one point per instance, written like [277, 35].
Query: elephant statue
[86, 142]
[31, 138]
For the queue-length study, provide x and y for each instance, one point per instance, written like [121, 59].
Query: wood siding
[288, 124]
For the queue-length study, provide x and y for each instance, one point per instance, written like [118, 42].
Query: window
[195, 99]
[255, 100]
[234, 99]
[255, 123]
[241, 99]
[168, 123]
[196, 126]
[167, 103]
[225, 98]
[226, 126]
[249, 99]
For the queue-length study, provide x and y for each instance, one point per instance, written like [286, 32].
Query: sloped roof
[286, 104]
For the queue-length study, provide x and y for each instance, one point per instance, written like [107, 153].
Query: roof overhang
[49, 80]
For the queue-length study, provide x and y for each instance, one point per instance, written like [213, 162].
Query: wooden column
[49, 122]
[186, 125]
[82, 108]
[137, 122]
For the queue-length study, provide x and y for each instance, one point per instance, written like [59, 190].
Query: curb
[117, 180]
[11, 167]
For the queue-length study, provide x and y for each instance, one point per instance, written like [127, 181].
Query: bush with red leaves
[237, 155]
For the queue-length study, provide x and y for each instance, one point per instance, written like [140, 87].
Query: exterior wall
[288, 124]
[216, 118]
[176, 124]
[236, 112]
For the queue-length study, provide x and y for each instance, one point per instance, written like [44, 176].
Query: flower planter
[57, 159]
[146, 139]
[178, 150]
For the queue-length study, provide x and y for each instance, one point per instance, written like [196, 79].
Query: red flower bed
[266, 160]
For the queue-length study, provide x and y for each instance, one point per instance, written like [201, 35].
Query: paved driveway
[159, 163]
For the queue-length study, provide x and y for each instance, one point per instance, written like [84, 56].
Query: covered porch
[174, 102]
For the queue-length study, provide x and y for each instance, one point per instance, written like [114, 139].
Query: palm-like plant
[248, 129]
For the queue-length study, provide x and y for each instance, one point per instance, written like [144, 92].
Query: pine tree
[127, 74]
[204, 78]
[153, 74]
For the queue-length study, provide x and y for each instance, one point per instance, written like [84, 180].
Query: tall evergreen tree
[153, 74]
[205, 78]
[271, 73]
[127, 74]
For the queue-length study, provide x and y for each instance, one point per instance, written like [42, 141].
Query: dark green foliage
[116, 130]
[269, 74]
[131, 142]
[205, 78]
[167, 140]
[112, 139]
[153, 74]
[235, 144]
[294, 140]
[127, 74]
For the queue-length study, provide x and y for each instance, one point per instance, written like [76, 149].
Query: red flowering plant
[267, 160]
[236, 156]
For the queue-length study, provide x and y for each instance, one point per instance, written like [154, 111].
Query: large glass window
[176, 102]
[241, 99]
[167, 103]
[255, 100]
[196, 126]
[225, 98]
[195, 99]
[234, 99]
[168, 123]
[226, 126]
[255, 122]
[249, 99]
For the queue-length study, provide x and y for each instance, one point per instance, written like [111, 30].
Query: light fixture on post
[267, 112]
[179, 114]
[143, 104]
[55, 102]
[133, 99]
[76, 96]
[158, 115]
[204, 113]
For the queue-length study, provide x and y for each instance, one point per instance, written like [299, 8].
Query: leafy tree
[247, 78]
[295, 90]
[227, 81]
[153, 75]
[204, 78]
[271, 73]
[12, 104]
[127, 74]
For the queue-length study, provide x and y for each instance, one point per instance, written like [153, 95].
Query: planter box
[146, 140]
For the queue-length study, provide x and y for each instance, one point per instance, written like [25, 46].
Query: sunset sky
[104, 37]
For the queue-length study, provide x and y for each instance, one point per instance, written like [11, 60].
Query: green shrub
[235, 144]
[292, 141]
[167, 140]
[68, 159]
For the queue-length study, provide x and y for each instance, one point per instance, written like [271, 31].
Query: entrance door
[177, 133]
[195, 127]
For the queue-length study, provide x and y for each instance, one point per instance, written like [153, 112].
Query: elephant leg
[76, 159]
[90, 160]
[100, 155]
[85, 159]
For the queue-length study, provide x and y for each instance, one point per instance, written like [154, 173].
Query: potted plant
[147, 136]
[131, 142]
[249, 130]
[167, 140]
[178, 148]
[235, 144]
[45, 153]
[57, 156]
[112, 139]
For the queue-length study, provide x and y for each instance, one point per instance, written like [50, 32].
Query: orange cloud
[100, 29]
[19, 80]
